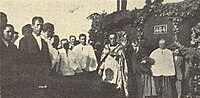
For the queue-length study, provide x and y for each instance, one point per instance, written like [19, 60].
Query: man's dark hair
[66, 46]
[48, 26]
[4, 27]
[7, 25]
[113, 34]
[134, 40]
[3, 21]
[3, 17]
[72, 36]
[40, 19]
[27, 29]
[56, 41]
[82, 35]
[64, 39]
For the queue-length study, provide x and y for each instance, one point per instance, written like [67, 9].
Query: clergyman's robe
[163, 69]
[86, 57]
[114, 67]
[69, 63]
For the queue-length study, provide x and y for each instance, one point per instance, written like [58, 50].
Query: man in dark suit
[3, 20]
[178, 62]
[8, 59]
[7, 47]
[135, 55]
[35, 54]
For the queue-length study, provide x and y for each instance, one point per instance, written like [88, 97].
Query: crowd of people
[129, 70]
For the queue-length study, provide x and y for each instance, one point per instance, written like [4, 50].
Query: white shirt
[175, 58]
[164, 62]
[137, 49]
[38, 39]
[86, 56]
[71, 46]
[84, 49]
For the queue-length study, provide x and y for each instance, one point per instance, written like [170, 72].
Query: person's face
[72, 40]
[112, 39]
[134, 43]
[8, 33]
[91, 42]
[50, 33]
[176, 52]
[109, 74]
[140, 37]
[37, 27]
[162, 44]
[66, 46]
[63, 42]
[198, 25]
[15, 36]
[82, 40]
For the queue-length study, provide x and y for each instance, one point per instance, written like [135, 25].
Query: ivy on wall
[103, 23]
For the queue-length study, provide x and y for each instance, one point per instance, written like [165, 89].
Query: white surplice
[64, 64]
[164, 63]
[86, 57]
[115, 68]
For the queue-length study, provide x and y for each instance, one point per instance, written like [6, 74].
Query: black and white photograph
[100, 48]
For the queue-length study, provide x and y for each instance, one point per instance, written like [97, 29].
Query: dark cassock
[148, 83]
[35, 58]
[139, 80]
[133, 55]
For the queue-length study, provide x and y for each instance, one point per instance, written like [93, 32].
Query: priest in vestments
[113, 68]
[163, 70]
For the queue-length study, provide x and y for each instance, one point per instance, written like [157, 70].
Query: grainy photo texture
[100, 48]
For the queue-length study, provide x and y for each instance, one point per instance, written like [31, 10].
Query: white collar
[162, 49]
[35, 35]
[38, 39]
[83, 45]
